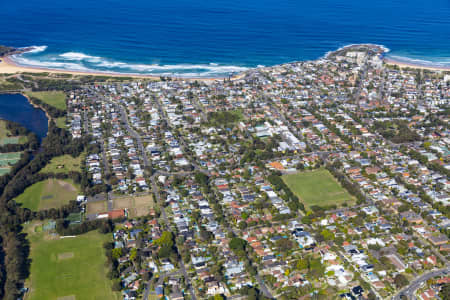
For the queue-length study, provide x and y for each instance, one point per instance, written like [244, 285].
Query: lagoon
[15, 107]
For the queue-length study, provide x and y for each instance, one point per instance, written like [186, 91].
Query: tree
[201, 178]
[116, 253]
[133, 254]
[445, 291]
[302, 264]
[400, 281]
[166, 240]
[284, 244]
[242, 225]
[205, 235]
[238, 246]
[147, 276]
[327, 235]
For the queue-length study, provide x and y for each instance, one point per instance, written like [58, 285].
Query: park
[67, 268]
[317, 187]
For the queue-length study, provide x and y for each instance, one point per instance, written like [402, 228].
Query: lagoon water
[217, 37]
[15, 107]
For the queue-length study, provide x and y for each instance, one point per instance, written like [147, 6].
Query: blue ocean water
[217, 37]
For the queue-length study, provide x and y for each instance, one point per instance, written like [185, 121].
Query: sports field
[137, 206]
[96, 207]
[317, 187]
[54, 98]
[6, 138]
[50, 193]
[63, 164]
[70, 268]
[8, 159]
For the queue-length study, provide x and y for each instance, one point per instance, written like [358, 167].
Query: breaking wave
[78, 61]
[23, 61]
[76, 56]
[436, 62]
[36, 49]
[37, 56]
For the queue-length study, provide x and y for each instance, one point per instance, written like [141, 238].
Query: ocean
[214, 38]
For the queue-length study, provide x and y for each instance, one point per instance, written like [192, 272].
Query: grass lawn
[9, 86]
[50, 193]
[63, 164]
[3, 131]
[61, 122]
[54, 98]
[69, 268]
[317, 187]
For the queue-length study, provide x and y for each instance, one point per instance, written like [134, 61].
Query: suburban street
[414, 285]
[167, 226]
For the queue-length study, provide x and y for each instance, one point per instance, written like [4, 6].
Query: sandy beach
[8, 66]
[401, 64]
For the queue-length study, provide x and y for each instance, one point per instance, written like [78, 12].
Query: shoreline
[49, 118]
[9, 66]
[402, 64]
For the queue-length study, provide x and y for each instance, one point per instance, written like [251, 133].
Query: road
[133, 133]
[166, 224]
[409, 290]
[425, 243]
[199, 108]
[344, 258]
[262, 285]
[155, 189]
[183, 145]
[160, 282]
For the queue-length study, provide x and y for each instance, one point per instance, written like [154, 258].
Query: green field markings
[7, 160]
[46, 194]
[68, 267]
[10, 140]
[317, 187]
[54, 98]
[6, 138]
[74, 218]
